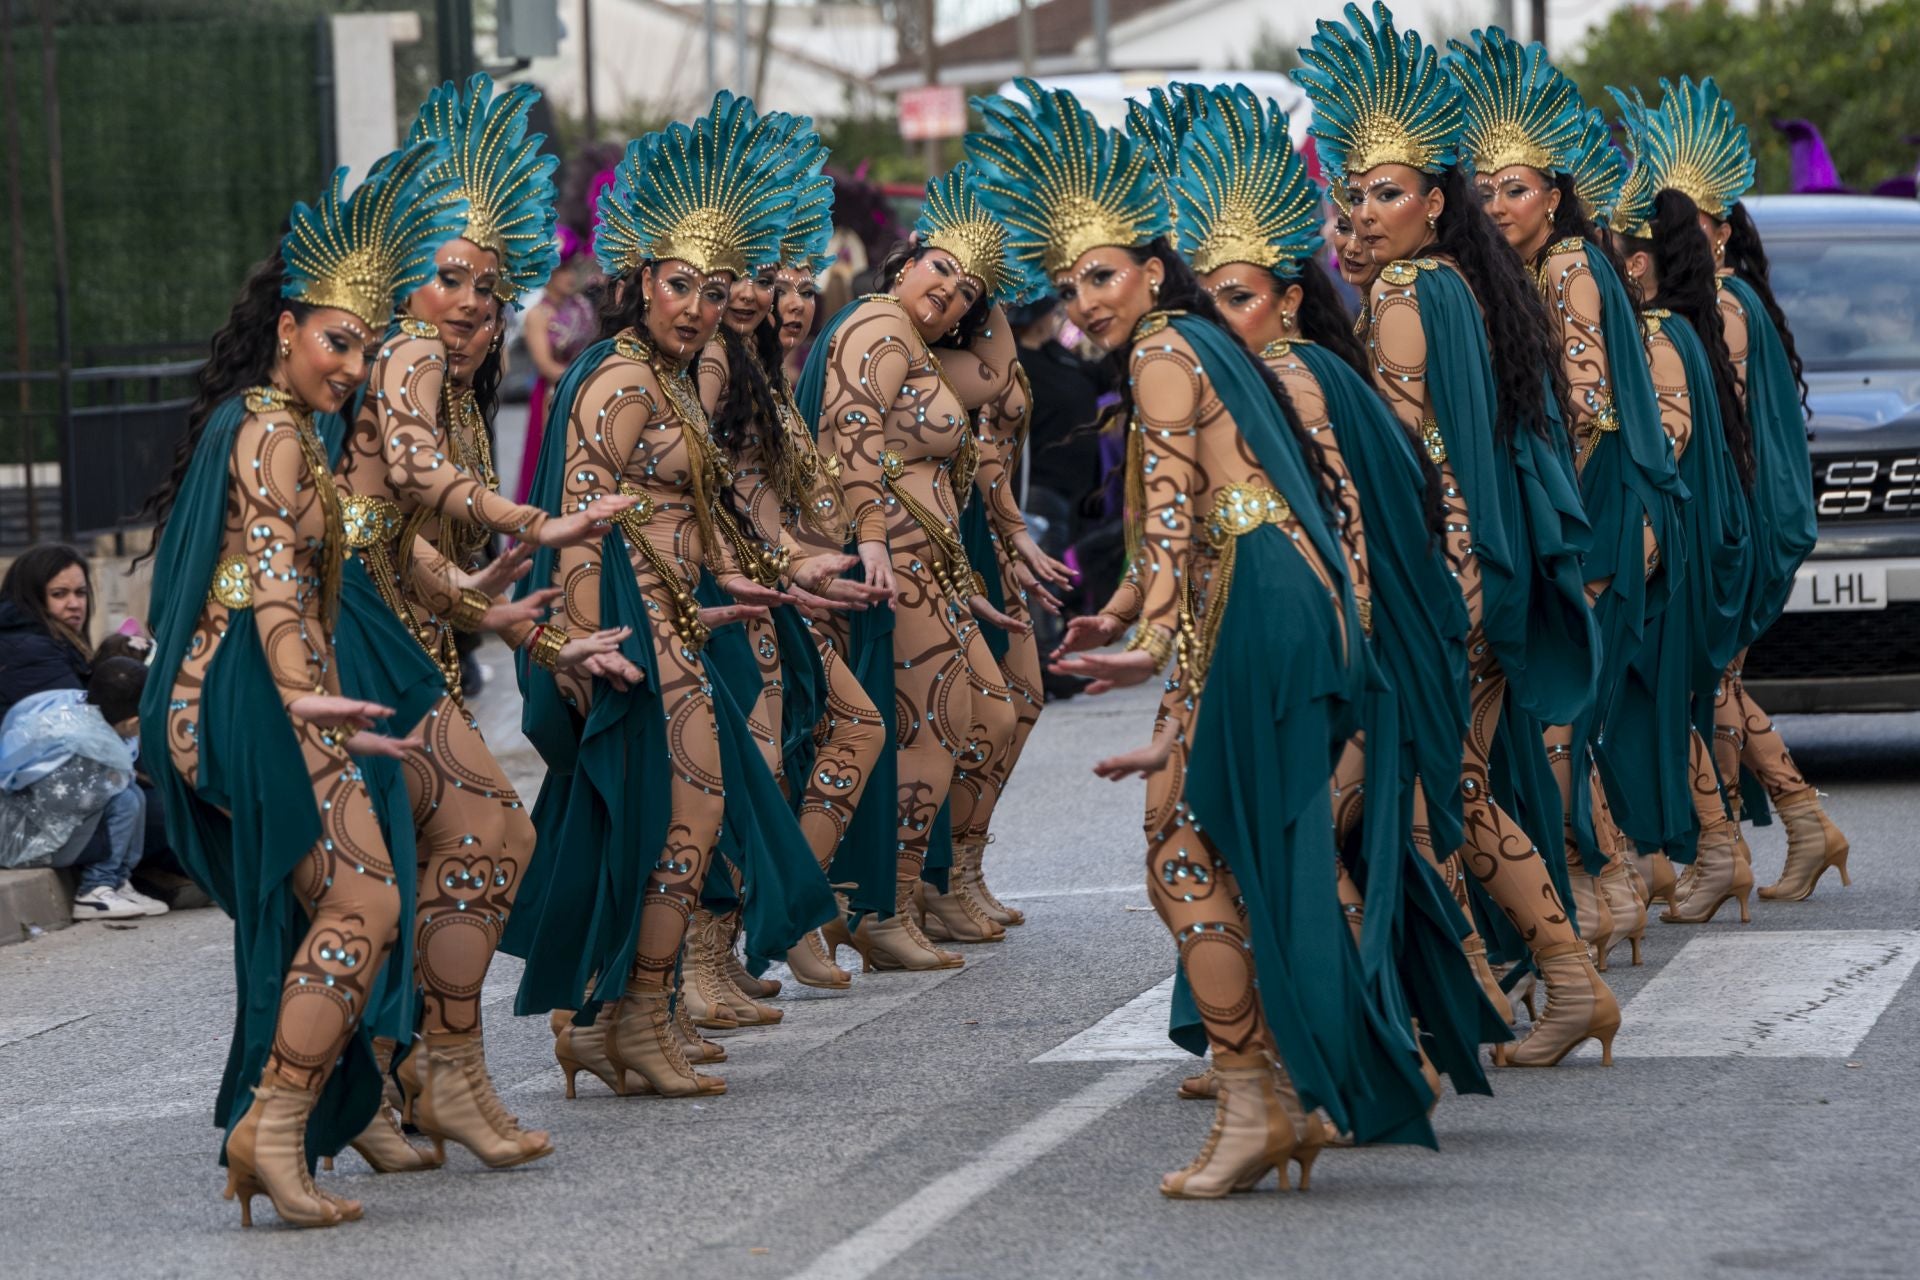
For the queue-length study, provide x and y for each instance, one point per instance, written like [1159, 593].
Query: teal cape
[1415, 721]
[869, 852]
[1784, 522]
[252, 817]
[1630, 484]
[1530, 535]
[603, 809]
[1260, 758]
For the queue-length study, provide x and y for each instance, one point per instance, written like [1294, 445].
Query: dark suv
[1847, 272]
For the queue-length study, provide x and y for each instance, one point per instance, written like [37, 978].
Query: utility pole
[57, 209]
[1539, 14]
[453, 38]
[930, 62]
[1102, 55]
[707, 30]
[586, 71]
[741, 79]
[1026, 37]
[22, 348]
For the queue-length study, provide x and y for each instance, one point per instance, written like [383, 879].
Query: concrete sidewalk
[33, 899]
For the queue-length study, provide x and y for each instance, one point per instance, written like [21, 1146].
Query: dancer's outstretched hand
[877, 559]
[1089, 631]
[578, 527]
[1036, 592]
[502, 615]
[503, 570]
[379, 744]
[614, 668]
[1110, 670]
[577, 650]
[332, 712]
[1045, 567]
[1141, 761]
[720, 615]
[747, 591]
[983, 609]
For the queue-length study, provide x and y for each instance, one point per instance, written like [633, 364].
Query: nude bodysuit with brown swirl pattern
[276, 528]
[898, 422]
[399, 465]
[1498, 851]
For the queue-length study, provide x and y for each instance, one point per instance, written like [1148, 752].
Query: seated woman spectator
[46, 608]
[67, 791]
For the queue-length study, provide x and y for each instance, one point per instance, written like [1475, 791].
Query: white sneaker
[104, 904]
[148, 906]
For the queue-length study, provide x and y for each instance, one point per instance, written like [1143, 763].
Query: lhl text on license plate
[1839, 585]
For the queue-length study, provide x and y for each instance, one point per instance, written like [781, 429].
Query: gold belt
[950, 566]
[1238, 509]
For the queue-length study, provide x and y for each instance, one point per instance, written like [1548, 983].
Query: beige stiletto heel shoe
[1580, 1007]
[1251, 1133]
[1814, 845]
[267, 1155]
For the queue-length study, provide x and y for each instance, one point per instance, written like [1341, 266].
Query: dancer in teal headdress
[958, 904]
[421, 503]
[1746, 743]
[1248, 217]
[773, 665]
[891, 386]
[1460, 343]
[647, 776]
[1670, 266]
[1236, 568]
[1547, 170]
[252, 746]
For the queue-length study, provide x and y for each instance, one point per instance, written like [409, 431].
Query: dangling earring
[1433, 222]
[1286, 321]
[286, 348]
[1153, 287]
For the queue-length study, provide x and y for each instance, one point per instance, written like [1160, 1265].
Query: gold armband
[548, 641]
[1365, 607]
[473, 606]
[1149, 639]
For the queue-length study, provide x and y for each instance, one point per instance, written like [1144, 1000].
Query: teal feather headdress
[1697, 147]
[810, 228]
[1520, 108]
[1242, 192]
[360, 253]
[954, 219]
[1598, 168]
[715, 195]
[1162, 122]
[1633, 204]
[501, 172]
[1379, 96]
[1060, 182]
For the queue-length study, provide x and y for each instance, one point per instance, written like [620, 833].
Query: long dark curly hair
[1683, 264]
[1181, 290]
[1748, 258]
[752, 391]
[1520, 332]
[240, 356]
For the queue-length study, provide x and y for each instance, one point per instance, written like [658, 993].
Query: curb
[34, 897]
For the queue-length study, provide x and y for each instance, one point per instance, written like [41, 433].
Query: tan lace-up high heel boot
[702, 985]
[714, 964]
[451, 1098]
[267, 1155]
[1718, 874]
[1629, 912]
[579, 1049]
[1813, 845]
[897, 942]
[382, 1144]
[969, 869]
[1591, 910]
[954, 916]
[812, 967]
[1580, 1007]
[1475, 948]
[736, 970]
[642, 1041]
[699, 1050]
[1251, 1133]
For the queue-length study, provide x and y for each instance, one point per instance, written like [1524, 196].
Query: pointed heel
[572, 1069]
[243, 1189]
[1840, 864]
[1605, 1037]
[1634, 942]
[1303, 1159]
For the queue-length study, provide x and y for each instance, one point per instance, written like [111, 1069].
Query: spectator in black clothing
[46, 609]
[1063, 450]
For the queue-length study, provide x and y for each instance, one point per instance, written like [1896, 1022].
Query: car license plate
[1838, 585]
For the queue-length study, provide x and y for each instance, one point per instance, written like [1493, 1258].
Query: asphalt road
[1760, 1118]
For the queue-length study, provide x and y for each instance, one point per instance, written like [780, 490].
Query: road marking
[1135, 1032]
[877, 1244]
[1077, 893]
[1768, 995]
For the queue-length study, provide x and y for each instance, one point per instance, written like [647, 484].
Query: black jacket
[33, 660]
